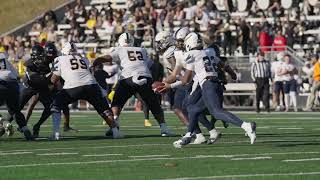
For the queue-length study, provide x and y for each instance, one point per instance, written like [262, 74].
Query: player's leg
[46, 100]
[94, 97]
[151, 99]
[220, 91]
[12, 101]
[66, 123]
[32, 104]
[123, 92]
[179, 97]
[145, 109]
[210, 97]
[61, 99]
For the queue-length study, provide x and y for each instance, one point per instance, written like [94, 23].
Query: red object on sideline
[264, 40]
[279, 41]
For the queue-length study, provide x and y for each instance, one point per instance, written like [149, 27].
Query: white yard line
[101, 155]
[288, 128]
[283, 118]
[154, 155]
[251, 158]
[14, 153]
[247, 175]
[301, 160]
[143, 159]
[56, 154]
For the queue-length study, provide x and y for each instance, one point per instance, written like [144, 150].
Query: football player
[135, 77]
[174, 57]
[9, 94]
[79, 83]
[204, 64]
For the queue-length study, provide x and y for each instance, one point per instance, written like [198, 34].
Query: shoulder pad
[169, 53]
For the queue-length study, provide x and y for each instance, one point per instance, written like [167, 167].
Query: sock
[293, 98]
[287, 100]
[116, 120]
[24, 128]
[188, 134]
[115, 131]
[56, 118]
[163, 126]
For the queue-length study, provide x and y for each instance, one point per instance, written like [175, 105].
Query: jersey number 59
[76, 63]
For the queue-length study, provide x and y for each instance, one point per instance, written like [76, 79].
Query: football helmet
[125, 39]
[50, 52]
[68, 48]
[37, 54]
[193, 41]
[163, 41]
[179, 36]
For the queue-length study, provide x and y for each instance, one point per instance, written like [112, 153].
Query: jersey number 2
[134, 55]
[75, 64]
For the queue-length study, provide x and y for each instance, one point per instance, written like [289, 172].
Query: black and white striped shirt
[260, 69]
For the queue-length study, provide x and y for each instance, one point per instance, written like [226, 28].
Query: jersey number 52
[134, 55]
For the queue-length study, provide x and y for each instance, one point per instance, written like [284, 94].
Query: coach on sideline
[261, 73]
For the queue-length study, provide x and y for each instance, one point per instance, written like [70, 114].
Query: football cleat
[182, 142]
[116, 134]
[147, 123]
[167, 133]
[35, 132]
[8, 128]
[252, 134]
[199, 139]
[215, 135]
[68, 129]
[55, 137]
[109, 132]
[27, 135]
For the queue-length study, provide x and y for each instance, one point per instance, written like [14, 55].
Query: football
[157, 86]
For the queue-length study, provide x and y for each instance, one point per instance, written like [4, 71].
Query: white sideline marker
[101, 155]
[251, 158]
[56, 154]
[146, 156]
[247, 175]
[301, 160]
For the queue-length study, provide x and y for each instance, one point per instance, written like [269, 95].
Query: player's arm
[56, 73]
[227, 68]
[173, 76]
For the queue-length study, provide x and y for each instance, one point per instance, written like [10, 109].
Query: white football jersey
[288, 67]
[133, 61]
[75, 71]
[167, 57]
[203, 63]
[7, 71]
[275, 69]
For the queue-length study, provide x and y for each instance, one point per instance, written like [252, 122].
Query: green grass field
[287, 147]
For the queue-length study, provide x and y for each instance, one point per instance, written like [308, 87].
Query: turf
[145, 155]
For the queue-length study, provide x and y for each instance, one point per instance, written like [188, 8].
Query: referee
[261, 73]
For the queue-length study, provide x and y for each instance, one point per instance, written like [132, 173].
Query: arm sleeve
[190, 62]
[115, 56]
[56, 67]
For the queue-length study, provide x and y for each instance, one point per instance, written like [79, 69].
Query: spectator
[315, 86]
[245, 32]
[279, 42]
[264, 40]
[261, 74]
[288, 70]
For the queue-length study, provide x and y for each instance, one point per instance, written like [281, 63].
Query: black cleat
[35, 132]
[27, 135]
[225, 124]
[68, 129]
